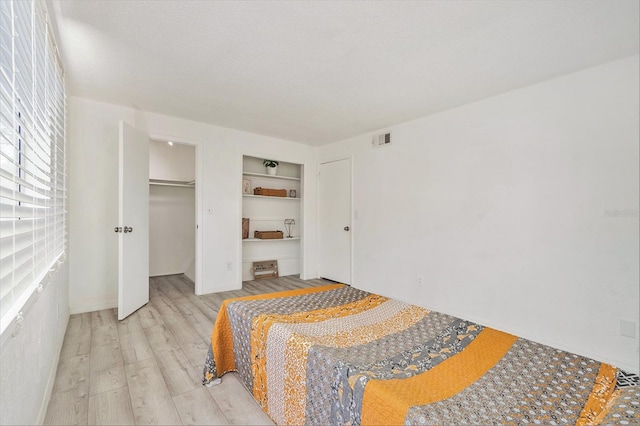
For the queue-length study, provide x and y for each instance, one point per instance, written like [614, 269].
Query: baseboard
[53, 370]
[109, 304]
[165, 274]
[220, 290]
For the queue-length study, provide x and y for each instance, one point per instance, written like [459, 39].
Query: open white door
[133, 224]
[334, 233]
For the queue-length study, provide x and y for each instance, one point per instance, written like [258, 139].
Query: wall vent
[381, 140]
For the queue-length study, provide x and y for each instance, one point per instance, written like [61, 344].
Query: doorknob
[128, 229]
[117, 229]
[346, 228]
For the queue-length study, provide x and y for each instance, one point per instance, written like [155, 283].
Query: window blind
[32, 154]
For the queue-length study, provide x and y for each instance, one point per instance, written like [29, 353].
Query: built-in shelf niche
[268, 213]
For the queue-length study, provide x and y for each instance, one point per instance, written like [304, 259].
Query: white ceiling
[318, 72]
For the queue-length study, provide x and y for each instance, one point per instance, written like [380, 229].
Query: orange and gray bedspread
[338, 355]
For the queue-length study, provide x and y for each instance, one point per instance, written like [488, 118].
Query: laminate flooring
[147, 368]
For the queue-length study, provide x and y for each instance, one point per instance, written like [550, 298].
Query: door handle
[117, 229]
[128, 229]
[346, 228]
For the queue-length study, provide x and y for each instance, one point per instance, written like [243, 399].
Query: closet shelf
[271, 198]
[184, 184]
[253, 240]
[264, 175]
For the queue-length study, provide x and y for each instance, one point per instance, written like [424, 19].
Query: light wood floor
[147, 368]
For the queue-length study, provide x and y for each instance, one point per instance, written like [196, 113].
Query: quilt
[338, 355]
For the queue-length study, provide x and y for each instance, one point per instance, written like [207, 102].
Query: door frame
[332, 159]
[197, 144]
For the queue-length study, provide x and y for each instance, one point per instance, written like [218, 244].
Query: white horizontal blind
[32, 154]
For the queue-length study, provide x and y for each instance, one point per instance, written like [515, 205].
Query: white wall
[499, 206]
[172, 209]
[172, 229]
[172, 162]
[93, 165]
[28, 361]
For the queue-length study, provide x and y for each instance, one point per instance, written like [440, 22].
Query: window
[32, 154]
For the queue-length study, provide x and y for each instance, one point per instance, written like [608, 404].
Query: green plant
[270, 163]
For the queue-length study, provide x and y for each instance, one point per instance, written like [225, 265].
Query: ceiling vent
[381, 140]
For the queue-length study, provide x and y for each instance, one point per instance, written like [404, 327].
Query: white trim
[166, 274]
[109, 304]
[334, 158]
[53, 370]
[223, 289]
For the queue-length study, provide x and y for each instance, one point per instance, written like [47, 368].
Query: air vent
[381, 140]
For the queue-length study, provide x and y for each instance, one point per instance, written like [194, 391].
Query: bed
[338, 355]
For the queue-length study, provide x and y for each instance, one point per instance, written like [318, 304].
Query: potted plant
[271, 165]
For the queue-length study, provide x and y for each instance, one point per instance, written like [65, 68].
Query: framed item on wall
[292, 193]
[246, 187]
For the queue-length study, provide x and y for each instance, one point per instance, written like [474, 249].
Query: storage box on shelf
[268, 192]
[265, 269]
[268, 235]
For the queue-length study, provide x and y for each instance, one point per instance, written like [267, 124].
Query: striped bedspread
[338, 355]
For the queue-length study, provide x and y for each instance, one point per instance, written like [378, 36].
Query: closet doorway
[173, 201]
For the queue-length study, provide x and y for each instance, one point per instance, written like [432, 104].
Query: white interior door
[334, 233]
[133, 224]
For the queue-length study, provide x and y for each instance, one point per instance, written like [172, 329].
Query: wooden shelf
[271, 198]
[264, 175]
[275, 239]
